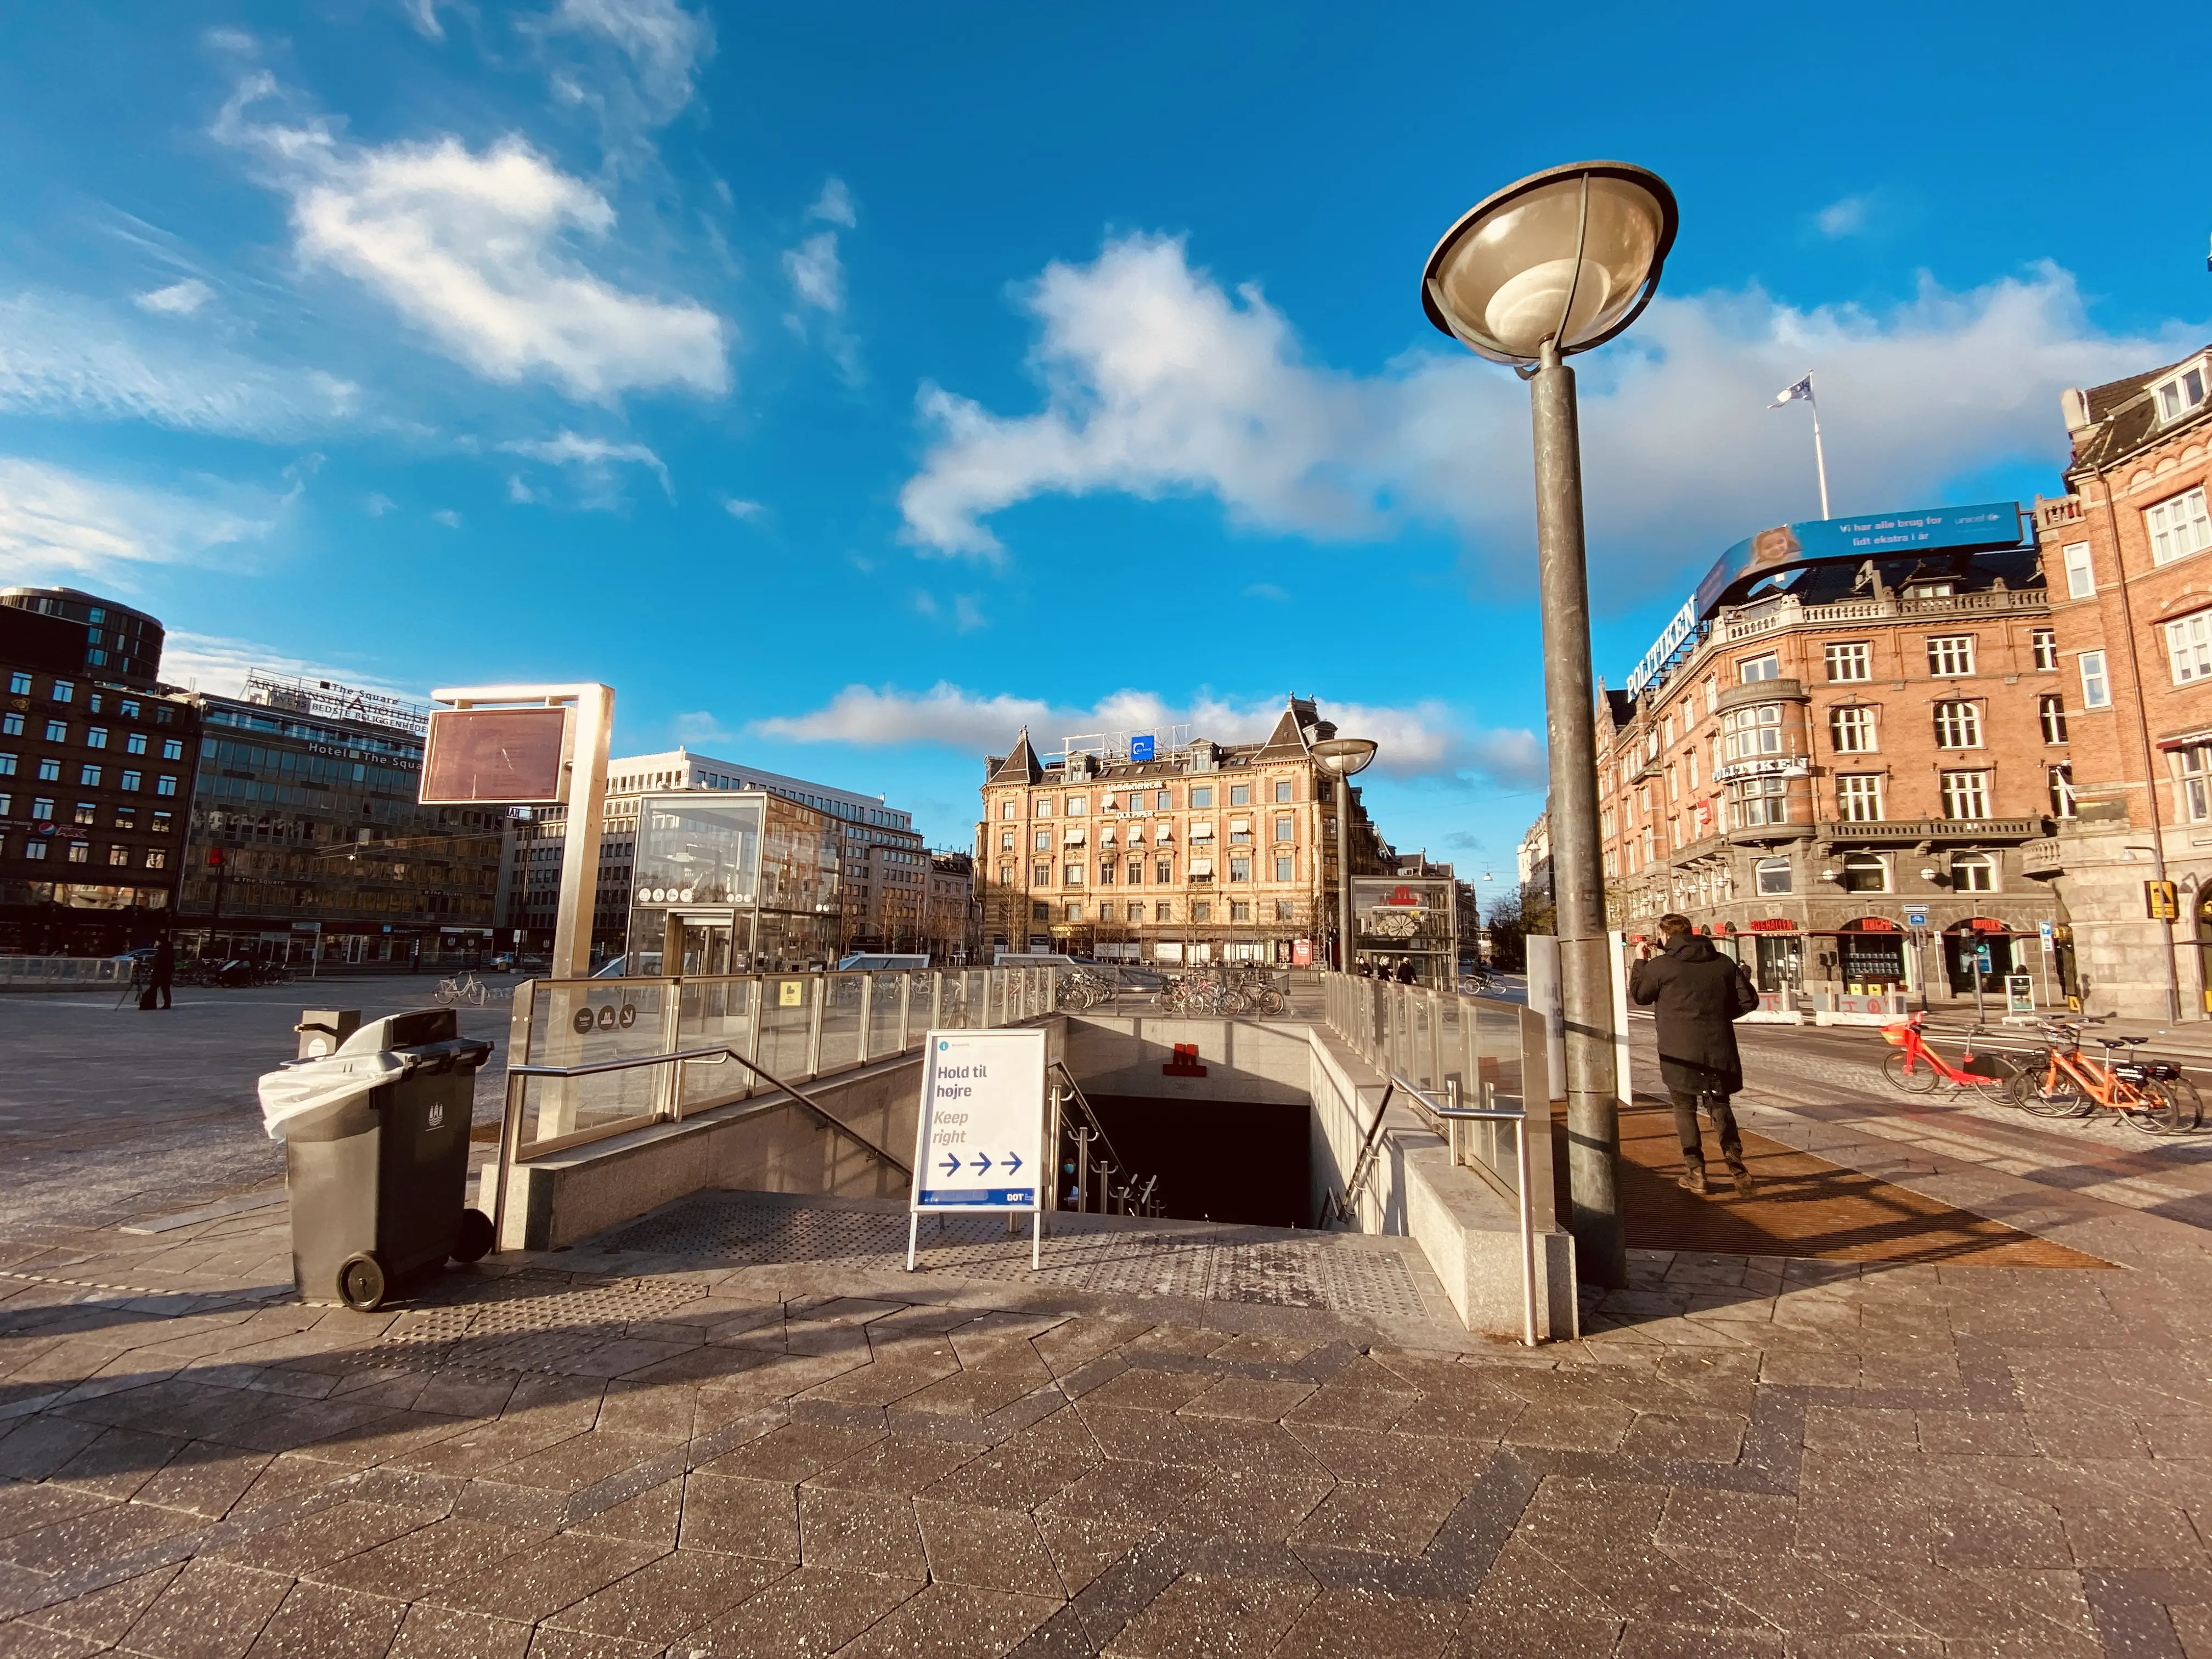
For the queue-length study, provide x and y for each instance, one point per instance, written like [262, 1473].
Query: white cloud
[1842, 218]
[211, 662]
[747, 511]
[56, 525]
[447, 517]
[592, 459]
[835, 205]
[64, 356]
[1427, 741]
[818, 281]
[476, 249]
[378, 504]
[664, 43]
[1265, 591]
[179, 299]
[1159, 382]
[423, 15]
[699, 727]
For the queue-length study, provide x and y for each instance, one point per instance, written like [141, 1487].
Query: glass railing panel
[786, 1018]
[579, 1023]
[886, 1034]
[716, 1013]
[841, 1023]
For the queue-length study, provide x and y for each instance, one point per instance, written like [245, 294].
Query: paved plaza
[737, 1427]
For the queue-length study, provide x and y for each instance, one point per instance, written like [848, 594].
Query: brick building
[1198, 853]
[1848, 740]
[2131, 597]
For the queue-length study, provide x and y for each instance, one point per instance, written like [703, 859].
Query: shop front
[1980, 945]
[1870, 954]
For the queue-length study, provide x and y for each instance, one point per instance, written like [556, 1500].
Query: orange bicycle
[2151, 1095]
[1918, 1069]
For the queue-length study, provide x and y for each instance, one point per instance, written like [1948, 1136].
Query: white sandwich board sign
[980, 1141]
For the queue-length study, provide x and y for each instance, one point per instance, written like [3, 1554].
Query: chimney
[2075, 407]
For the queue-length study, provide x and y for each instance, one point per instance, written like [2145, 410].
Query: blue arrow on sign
[952, 1165]
[982, 1163]
[1013, 1162]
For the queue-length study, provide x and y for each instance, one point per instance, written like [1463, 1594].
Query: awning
[1201, 832]
[1072, 838]
[1201, 867]
[1164, 832]
[1106, 835]
[1240, 826]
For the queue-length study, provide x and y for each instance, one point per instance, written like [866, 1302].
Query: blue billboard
[1140, 749]
[1871, 535]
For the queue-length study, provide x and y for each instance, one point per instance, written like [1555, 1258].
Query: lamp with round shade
[1568, 256]
[1344, 756]
[1555, 264]
[1341, 757]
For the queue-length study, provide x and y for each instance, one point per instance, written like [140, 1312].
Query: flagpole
[1820, 455]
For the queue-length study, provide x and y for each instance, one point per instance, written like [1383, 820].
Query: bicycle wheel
[2050, 1097]
[2185, 1097]
[2156, 1111]
[1913, 1080]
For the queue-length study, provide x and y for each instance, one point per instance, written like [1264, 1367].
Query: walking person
[163, 974]
[1697, 994]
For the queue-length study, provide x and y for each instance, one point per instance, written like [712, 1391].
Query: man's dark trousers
[1685, 1128]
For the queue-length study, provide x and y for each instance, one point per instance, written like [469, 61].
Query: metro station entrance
[702, 941]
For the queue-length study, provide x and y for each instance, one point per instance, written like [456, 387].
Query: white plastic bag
[302, 1096]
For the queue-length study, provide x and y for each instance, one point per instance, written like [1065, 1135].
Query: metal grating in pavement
[523, 1322]
[1208, 1263]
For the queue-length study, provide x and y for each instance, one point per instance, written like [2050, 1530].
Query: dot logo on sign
[582, 1022]
[942, 1046]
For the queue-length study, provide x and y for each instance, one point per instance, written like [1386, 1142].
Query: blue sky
[846, 384]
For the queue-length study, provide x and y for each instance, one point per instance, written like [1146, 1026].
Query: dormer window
[2182, 394]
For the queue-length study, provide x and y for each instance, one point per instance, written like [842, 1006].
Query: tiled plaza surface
[608, 1452]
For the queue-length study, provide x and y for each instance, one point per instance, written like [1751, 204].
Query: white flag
[1790, 394]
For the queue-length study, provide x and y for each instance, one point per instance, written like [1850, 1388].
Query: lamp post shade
[1344, 756]
[1568, 255]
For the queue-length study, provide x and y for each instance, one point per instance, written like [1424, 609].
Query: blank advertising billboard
[494, 756]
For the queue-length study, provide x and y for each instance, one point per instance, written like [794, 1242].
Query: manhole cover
[1217, 1265]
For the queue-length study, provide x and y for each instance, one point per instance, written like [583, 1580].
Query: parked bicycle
[467, 989]
[2152, 1096]
[1918, 1069]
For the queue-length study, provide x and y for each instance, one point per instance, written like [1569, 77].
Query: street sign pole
[979, 1143]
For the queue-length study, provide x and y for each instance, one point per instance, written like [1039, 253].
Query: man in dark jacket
[163, 974]
[1697, 994]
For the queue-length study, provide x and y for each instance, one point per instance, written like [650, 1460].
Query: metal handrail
[1449, 1113]
[510, 1127]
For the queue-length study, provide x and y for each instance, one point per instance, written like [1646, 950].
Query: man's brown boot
[1740, 1176]
[1692, 1179]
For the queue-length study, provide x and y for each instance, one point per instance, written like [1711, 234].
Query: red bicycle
[1918, 1069]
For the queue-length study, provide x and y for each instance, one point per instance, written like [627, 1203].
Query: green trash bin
[376, 1156]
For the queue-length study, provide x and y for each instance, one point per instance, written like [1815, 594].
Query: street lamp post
[1341, 757]
[1556, 264]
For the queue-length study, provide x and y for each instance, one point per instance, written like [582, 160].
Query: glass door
[699, 942]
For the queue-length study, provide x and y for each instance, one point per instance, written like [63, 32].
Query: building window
[1863, 873]
[2046, 642]
[7, 766]
[2179, 526]
[1854, 661]
[173, 749]
[95, 736]
[2096, 688]
[88, 776]
[2062, 791]
[1283, 868]
[11, 724]
[1040, 874]
[1040, 913]
[1283, 912]
[1005, 808]
[135, 743]
[2188, 647]
[1043, 809]
[2051, 711]
[1163, 871]
[1951, 654]
[1079, 805]
[1966, 795]
[57, 731]
[1201, 910]
[1006, 875]
[34, 849]
[1958, 725]
[1282, 789]
[1768, 667]
[1075, 913]
[1044, 840]
[1754, 802]
[1771, 876]
[1283, 827]
[1240, 910]
[2181, 394]
[118, 855]
[1853, 728]
[1164, 801]
[19, 685]
[165, 785]
[1005, 841]
[1858, 798]
[1753, 732]
[1200, 797]
[2196, 783]
[1240, 869]
[2081, 574]
[63, 690]
[1240, 794]
[1106, 868]
[88, 812]
[50, 771]
[80, 853]
[1973, 873]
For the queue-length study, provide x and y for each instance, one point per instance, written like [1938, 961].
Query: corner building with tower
[1838, 753]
